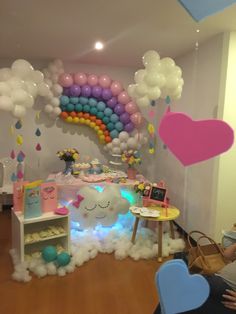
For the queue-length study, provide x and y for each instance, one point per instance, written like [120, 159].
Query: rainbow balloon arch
[100, 103]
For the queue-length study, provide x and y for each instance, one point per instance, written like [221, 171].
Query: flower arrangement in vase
[69, 155]
[131, 157]
[142, 188]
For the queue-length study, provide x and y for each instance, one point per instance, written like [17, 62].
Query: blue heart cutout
[178, 290]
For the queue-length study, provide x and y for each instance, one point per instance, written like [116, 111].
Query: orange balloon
[108, 139]
[86, 115]
[80, 114]
[93, 118]
[106, 133]
[103, 127]
[73, 114]
[98, 122]
[64, 115]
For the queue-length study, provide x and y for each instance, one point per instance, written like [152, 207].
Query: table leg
[172, 231]
[159, 257]
[135, 229]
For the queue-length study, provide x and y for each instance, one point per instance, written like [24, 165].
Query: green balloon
[93, 110]
[63, 259]
[100, 115]
[74, 100]
[83, 100]
[86, 108]
[110, 126]
[92, 102]
[106, 120]
[49, 253]
[70, 107]
[78, 107]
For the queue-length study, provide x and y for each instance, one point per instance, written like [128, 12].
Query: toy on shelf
[131, 158]
[69, 155]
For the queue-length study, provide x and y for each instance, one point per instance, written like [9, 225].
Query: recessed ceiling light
[98, 45]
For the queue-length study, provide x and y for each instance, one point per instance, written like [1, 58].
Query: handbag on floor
[205, 259]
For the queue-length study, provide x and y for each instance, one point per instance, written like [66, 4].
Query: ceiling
[50, 29]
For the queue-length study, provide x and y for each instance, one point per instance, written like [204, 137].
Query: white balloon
[109, 146]
[6, 103]
[21, 68]
[57, 111]
[58, 63]
[124, 136]
[48, 82]
[52, 68]
[4, 89]
[29, 101]
[177, 71]
[116, 142]
[43, 89]
[139, 76]
[16, 82]
[172, 81]
[5, 74]
[19, 111]
[141, 89]
[55, 78]
[123, 146]
[154, 93]
[49, 96]
[143, 101]
[19, 96]
[116, 150]
[48, 108]
[36, 76]
[168, 62]
[132, 143]
[57, 89]
[46, 73]
[31, 88]
[150, 57]
[131, 90]
[155, 79]
[55, 102]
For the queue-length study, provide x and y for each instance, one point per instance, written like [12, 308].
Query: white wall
[191, 188]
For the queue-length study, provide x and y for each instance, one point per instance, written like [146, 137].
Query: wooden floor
[102, 286]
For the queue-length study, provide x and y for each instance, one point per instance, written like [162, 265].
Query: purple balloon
[66, 91]
[96, 91]
[75, 90]
[129, 127]
[119, 109]
[86, 91]
[124, 118]
[112, 102]
[106, 94]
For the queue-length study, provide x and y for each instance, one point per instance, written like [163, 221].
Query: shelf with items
[48, 229]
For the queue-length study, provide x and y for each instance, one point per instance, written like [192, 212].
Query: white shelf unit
[21, 227]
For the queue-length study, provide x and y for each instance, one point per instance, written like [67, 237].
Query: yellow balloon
[96, 128]
[92, 124]
[76, 120]
[100, 132]
[87, 121]
[102, 137]
[69, 119]
[82, 120]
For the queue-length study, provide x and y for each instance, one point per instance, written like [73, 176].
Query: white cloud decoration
[19, 86]
[98, 207]
[159, 79]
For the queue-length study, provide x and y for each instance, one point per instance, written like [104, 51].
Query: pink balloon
[104, 81]
[80, 78]
[65, 80]
[123, 98]
[92, 79]
[131, 107]
[136, 118]
[116, 88]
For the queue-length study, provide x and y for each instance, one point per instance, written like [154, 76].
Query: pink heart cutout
[194, 141]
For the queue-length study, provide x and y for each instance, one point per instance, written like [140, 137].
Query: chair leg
[135, 230]
[172, 231]
[159, 257]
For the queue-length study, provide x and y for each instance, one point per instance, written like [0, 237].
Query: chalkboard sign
[158, 194]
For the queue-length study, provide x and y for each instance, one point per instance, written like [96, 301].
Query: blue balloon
[74, 100]
[70, 107]
[63, 259]
[49, 253]
[114, 134]
[101, 106]
[106, 120]
[108, 112]
[78, 107]
[119, 126]
[83, 100]
[100, 114]
[64, 100]
[110, 126]
[92, 102]
[63, 107]
[114, 118]
[93, 110]
[86, 108]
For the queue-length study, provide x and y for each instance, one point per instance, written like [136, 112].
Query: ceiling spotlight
[98, 45]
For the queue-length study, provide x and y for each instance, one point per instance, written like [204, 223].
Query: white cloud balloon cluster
[51, 74]
[159, 79]
[125, 141]
[19, 86]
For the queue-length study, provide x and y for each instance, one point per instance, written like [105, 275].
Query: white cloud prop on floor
[85, 245]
